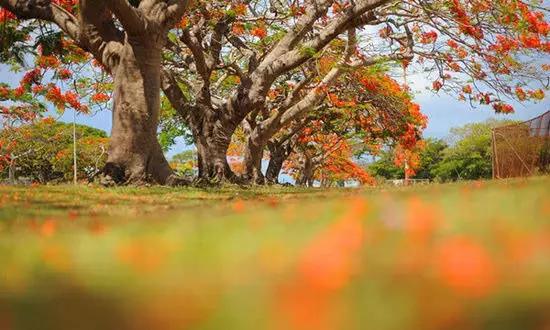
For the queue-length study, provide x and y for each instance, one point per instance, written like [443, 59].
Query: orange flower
[466, 267]
[238, 206]
[326, 266]
[142, 257]
[421, 221]
[48, 228]
[259, 32]
[238, 28]
[467, 89]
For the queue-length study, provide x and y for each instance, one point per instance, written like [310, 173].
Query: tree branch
[44, 10]
[130, 17]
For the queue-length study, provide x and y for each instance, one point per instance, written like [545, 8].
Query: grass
[471, 255]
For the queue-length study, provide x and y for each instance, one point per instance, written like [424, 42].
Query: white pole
[406, 160]
[74, 150]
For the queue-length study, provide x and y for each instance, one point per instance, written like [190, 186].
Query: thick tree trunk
[212, 137]
[135, 156]
[278, 154]
[253, 156]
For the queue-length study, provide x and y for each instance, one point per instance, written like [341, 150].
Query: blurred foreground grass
[461, 256]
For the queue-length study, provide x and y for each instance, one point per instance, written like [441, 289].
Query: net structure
[523, 149]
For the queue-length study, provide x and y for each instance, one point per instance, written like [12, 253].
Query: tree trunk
[253, 156]
[11, 172]
[135, 156]
[212, 137]
[305, 178]
[278, 154]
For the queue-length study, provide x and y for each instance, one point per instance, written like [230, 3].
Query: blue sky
[443, 111]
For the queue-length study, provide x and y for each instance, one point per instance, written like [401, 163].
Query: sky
[443, 111]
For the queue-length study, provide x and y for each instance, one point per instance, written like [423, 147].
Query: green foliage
[171, 126]
[469, 156]
[308, 51]
[430, 157]
[13, 46]
[385, 168]
[185, 163]
[44, 150]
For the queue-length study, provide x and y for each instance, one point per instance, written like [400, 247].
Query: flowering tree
[370, 110]
[126, 39]
[43, 150]
[272, 63]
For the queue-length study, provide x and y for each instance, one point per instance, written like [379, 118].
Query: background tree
[469, 154]
[430, 157]
[43, 151]
[360, 114]
[185, 163]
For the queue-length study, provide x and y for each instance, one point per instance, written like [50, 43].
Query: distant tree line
[464, 155]
[43, 151]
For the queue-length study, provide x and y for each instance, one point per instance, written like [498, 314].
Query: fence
[523, 149]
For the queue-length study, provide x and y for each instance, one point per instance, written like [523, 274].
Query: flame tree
[126, 39]
[269, 63]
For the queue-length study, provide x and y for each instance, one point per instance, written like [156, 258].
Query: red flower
[259, 32]
[31, 77]
[19, 91]
[530, 41]
[6, 15]
[64, 74]
[437, 85]
[100, 97]
[520, 93]
[428, 37]
[503, 108]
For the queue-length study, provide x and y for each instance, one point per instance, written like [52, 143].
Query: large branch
[348, 19]
[314, 11]
[273, 67]
[174, 12]
[44, 10]
[98, 33]
[315, 96]
[174, 94]
[129, 16]
[93, 31]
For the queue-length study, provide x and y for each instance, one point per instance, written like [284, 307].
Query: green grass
[465, 256]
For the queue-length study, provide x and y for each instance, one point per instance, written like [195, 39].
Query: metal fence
[523, 149]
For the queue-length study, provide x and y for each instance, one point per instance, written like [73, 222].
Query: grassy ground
[464, 256]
